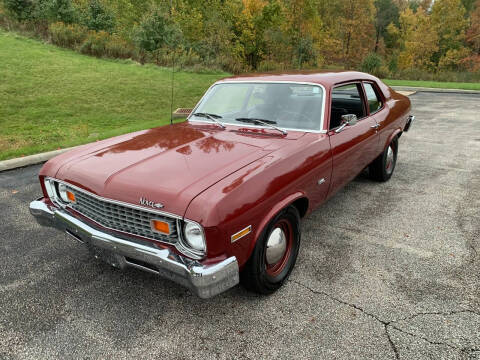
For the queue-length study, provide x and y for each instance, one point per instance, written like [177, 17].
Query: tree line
[384, 37]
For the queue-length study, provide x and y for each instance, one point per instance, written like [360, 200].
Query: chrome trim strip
[204, 280]
[324, 99]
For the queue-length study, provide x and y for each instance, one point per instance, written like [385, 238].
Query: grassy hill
[53, 98]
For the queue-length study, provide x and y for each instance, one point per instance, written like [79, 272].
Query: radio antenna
[173, 70]
[173, 78]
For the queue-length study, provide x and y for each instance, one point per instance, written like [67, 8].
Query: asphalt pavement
[385, 271]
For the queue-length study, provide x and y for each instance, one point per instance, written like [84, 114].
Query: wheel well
[301, 205]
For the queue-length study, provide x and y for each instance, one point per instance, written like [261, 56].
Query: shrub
[95, 43]
[305, 52]
[119, 48]
[372, 64]
[69, 36]
[103, 44]
[270, 65]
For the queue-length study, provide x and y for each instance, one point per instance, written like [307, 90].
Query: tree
[56, 10]
[416, 40]
[387, 13]
[472, 61]
[98, 17]
[156, 31]
[20, 10]
[449, 22]
[469, 5]
[255, 19]
[356, 29]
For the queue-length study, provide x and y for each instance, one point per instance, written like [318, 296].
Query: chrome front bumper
[204, 280]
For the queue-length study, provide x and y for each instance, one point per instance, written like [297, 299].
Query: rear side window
[346, 99]
[374, 101]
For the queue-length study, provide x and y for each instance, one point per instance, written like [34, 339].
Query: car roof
[326, 78]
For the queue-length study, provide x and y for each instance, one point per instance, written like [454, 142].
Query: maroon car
[218, 199]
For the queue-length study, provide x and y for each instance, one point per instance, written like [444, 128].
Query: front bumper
[204, 280]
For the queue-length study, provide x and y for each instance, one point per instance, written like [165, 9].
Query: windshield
[285, 105]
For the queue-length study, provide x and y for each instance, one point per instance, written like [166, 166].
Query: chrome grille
[122, 218]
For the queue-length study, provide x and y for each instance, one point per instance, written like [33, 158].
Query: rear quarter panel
[393, 117]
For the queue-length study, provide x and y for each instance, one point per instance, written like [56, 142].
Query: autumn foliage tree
[387, 37]
[415, 38]
[472, 62]
[449, 22]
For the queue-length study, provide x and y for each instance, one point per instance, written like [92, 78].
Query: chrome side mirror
[349, 119]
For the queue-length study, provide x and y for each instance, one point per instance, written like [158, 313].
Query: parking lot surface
[385, 271]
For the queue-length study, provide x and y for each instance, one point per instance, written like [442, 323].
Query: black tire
[258, 275]
[381, 169]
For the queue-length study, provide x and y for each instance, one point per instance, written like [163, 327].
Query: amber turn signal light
[242, 233]
[161, 226]
[71, 196]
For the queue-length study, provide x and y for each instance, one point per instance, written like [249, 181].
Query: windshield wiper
[268, 123]
[212, 117]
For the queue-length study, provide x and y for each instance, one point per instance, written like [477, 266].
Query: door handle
[376, 126]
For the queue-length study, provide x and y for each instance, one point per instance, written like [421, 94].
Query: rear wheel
[381, 169]
[275, 253]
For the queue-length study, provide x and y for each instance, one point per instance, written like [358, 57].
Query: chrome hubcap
[390, 159]
[276, 246]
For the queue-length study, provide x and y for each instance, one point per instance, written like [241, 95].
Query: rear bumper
[204, 280]
[410, 120]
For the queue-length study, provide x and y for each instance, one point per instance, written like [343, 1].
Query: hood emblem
[146, 202]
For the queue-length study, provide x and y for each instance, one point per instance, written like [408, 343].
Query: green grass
[53, 98]
[434, 84]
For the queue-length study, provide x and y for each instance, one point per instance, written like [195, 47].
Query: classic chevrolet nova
[218, 199]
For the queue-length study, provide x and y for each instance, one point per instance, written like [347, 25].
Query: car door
[354, 146]
[378, 109]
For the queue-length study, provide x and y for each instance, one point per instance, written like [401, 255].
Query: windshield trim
[322, 117]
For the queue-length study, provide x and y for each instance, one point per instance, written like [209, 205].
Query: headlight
[58, 192]
[194, 237]
[66, 195]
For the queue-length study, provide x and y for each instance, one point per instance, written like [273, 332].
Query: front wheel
[275, 253]
[381, 169]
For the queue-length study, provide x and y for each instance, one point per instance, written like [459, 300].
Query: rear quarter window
[374, 100]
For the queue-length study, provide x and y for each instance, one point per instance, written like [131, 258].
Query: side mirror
[349, 119]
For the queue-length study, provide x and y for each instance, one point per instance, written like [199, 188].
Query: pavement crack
[441, 313]
[392, 344]
[341, 301]
[392, 325]
[356, 307]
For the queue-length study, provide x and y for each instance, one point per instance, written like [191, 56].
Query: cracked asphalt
[385, 271]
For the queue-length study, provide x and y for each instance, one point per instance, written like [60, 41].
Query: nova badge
[146, 202]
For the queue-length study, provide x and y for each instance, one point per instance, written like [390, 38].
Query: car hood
[169, 165]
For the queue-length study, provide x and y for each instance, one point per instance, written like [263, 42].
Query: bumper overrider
[204, 280]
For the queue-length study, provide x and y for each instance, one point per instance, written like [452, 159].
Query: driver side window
[346, 99]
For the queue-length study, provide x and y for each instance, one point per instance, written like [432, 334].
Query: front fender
[290, 199]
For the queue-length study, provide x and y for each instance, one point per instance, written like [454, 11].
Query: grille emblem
[146, 202]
